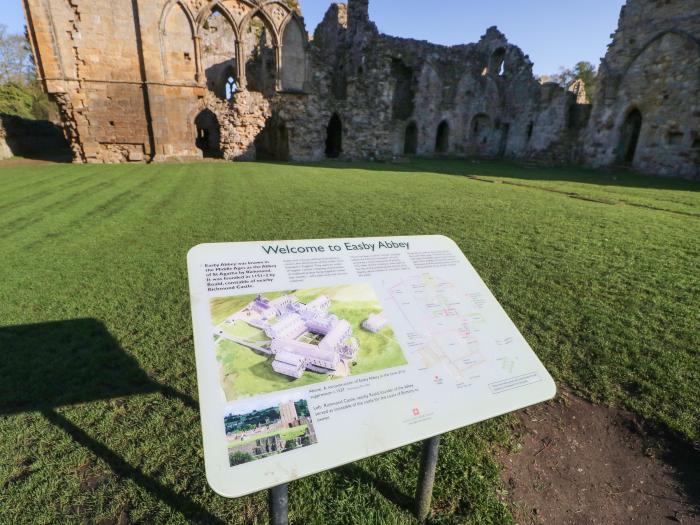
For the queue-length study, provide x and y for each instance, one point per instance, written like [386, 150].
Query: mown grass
[598, 270]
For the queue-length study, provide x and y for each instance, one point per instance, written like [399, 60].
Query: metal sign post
[426, 478]
[279, 505]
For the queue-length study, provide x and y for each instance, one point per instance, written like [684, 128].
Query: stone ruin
[139, 80]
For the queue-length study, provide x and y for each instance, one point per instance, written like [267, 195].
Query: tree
[584, 71]
[16, 63]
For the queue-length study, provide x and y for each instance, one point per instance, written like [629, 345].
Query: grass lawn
[599, 271]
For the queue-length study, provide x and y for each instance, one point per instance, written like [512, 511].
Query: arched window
[334, 137]
[442, 138]
[178, 46]
[231, 87]
[498, 62]
[218, 53]
[260, 56]
[293, 57]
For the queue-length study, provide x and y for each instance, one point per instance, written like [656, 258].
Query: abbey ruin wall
[153, 80]
[647, 110]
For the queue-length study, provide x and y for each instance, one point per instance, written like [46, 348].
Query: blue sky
[553, 32]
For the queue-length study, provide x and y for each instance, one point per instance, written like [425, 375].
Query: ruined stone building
[647, 109]
[150, 80]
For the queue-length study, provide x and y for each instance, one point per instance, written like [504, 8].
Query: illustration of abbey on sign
[270, 342]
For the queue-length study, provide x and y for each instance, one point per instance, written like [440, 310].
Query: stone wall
[647, 109]
[141, 80]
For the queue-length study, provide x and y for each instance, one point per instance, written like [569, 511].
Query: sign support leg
[426, 478]
[279, 505]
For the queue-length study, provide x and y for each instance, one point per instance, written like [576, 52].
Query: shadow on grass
[50, 365]
[354, 473]
[38, 140]
[509, 169]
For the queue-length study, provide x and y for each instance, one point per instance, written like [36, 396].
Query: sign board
[317, 353]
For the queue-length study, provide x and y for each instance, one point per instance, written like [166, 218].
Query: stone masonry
[151, 80]
[647, 109]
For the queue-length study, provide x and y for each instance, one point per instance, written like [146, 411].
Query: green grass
[599, 271]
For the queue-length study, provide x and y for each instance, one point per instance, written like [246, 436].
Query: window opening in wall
[231, 88]
[498, 62]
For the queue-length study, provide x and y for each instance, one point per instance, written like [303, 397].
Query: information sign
[317, 353]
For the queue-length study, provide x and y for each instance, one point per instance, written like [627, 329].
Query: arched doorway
[334, 137]
[442, 139]
[208, 134]
[273, 141]
[410, 146]
[629, 137]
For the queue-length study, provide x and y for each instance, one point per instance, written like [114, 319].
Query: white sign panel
[313, 354]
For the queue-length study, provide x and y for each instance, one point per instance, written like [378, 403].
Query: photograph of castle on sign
[276, 341]
[265, 432]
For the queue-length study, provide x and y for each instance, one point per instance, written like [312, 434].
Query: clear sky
[553, 33]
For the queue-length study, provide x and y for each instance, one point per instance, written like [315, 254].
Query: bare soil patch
[582, 463]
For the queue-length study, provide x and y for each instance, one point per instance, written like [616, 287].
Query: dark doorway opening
[410, 146]
[208, 134]
[273, 141]
[629, 137]
[334, 137]
[442, 139]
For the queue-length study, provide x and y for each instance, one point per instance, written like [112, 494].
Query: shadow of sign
[51, 365]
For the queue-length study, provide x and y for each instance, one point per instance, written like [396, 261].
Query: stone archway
[208, 134]
[629, 137]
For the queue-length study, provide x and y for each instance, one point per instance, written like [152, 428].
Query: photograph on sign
[313, 354]
[261, 432]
